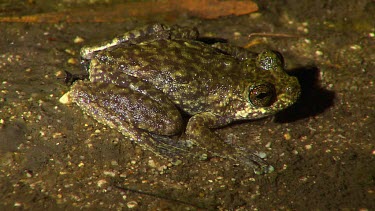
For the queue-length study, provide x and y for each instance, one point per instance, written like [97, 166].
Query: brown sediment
[208, 9]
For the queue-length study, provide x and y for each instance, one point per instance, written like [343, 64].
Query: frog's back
[183, 69]
[176, 61]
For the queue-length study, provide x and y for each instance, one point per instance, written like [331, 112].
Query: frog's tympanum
[143, 82]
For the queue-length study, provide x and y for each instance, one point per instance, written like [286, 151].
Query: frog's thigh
[101, 73]
[117, 106]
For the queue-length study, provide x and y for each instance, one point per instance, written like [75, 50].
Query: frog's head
[270, 88]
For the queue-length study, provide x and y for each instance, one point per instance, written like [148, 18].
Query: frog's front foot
[198, 130]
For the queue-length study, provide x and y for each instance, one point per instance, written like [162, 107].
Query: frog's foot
[198, 130]
[248, 160]
[254, 162]
[178, 149]
[169, 148]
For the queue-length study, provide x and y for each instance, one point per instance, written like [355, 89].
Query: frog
[147, 81]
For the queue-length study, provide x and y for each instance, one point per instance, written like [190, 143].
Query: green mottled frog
[142, 82]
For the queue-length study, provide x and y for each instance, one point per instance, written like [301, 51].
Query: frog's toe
[168, 147]
[254, 162]
[259, 167]
[265, 169]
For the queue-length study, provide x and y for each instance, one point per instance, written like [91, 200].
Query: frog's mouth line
[250, 111]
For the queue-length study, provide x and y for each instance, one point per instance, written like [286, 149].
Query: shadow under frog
[141, 83]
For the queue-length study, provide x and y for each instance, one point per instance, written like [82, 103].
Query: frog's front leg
[143, 34]
[199, 131]
[132, 113]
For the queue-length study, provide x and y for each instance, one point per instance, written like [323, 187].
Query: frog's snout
[292, 91]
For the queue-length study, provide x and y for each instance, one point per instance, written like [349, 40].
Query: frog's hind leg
[143, 34]
[133, 114]
[138, 35]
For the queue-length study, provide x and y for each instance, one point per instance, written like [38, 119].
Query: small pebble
[151, 163]
[101, 182]
[78, 40]
[72, 61]
[109, 173]
[287, 136]
[318, 53]
[131, 204]
[262, 155]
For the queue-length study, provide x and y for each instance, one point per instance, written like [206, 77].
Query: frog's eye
[262, 95]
